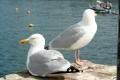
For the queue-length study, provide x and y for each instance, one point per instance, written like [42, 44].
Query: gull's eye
[33, 38]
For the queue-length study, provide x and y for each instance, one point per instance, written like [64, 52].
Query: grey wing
[46, 62]
[67, 38]
[36, 66]
[47, 55]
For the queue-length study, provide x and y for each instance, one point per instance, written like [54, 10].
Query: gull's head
[89, 16]
[34, 40]
[89, 12]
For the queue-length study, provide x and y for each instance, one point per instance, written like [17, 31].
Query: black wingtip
[47, 47]
[72, 69]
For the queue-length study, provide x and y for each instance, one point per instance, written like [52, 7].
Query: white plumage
[77, 35]
[41, 62]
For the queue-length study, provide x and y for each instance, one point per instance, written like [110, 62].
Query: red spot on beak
[22, 42]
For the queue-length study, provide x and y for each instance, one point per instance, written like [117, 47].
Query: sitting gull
[41, 62]
[77, 35]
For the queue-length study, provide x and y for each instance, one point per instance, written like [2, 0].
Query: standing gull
[77, 36]
[41, 62]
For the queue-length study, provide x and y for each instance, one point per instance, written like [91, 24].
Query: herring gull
[77, 35]
[41, 62]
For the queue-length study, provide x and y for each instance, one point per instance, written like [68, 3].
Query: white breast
[84, 40]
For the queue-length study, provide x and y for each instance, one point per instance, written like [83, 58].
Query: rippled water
[50, 19]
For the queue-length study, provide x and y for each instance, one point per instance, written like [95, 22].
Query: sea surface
[51, 17]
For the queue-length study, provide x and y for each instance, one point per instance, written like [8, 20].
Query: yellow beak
[95, 14]
[24, 41]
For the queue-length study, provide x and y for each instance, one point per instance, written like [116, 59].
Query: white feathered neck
[88, 17]
[37, 43]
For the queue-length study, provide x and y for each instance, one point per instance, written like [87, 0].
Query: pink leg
[78, 55]
[78, 61]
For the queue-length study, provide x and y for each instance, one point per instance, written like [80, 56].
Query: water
[50, 19]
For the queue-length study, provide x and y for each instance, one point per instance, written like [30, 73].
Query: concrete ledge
[91, 71]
